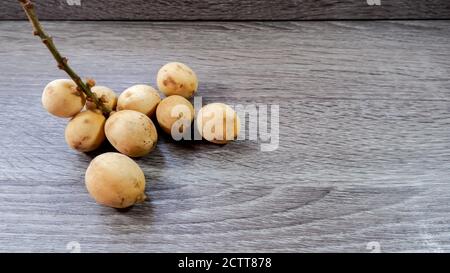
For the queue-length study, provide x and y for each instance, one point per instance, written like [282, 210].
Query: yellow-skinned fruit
[115, 180]
[62, 99]
[177, 79]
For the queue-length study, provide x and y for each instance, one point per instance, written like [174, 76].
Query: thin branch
[61, 61]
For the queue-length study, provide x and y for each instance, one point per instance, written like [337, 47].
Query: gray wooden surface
[231, 9]
[364, 150]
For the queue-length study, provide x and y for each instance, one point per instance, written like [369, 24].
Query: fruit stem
[61, 61]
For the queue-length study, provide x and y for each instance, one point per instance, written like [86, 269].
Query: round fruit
[141, 98]
[131, 133]
[115, 180]
[106, 95]
[172, 109]
[62, 99]
[85, 132]
[177, 79]
[218, 123]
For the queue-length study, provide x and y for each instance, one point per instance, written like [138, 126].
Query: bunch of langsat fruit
[96, 114]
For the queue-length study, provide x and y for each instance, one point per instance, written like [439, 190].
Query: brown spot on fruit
[77, 144]
[169, 81]
[76, 92]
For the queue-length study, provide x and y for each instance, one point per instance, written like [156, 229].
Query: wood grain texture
[364, 139]
[231, 9]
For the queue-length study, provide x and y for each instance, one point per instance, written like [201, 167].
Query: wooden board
[364, 151]
[232, 9]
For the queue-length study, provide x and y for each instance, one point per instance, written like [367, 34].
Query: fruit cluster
[114, 179]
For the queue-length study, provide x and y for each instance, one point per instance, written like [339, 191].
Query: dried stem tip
[61, 61]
